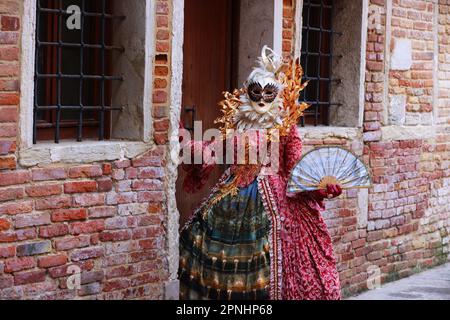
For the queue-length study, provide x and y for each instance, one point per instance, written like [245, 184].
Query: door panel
[207, 72]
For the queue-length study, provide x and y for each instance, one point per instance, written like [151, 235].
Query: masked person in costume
[249, 239]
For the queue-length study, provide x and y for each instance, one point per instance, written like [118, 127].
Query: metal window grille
[85, 100]
[317, 59]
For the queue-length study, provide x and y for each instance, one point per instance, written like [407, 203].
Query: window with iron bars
[317, 60]
[73, 71]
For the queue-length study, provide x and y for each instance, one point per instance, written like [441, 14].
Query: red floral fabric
[308, 264]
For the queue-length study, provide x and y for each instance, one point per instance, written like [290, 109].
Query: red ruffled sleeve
[292, 154]
[292, 151]
[197, 174]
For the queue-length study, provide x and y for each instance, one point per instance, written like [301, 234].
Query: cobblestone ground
[432, 284]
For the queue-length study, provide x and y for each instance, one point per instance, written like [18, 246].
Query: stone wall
[104, 221]
[401, 226]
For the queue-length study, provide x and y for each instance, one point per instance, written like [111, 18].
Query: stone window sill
[397, 133]
[323, 132]
[83, 152]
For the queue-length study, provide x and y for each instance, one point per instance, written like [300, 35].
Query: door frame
[175, 116]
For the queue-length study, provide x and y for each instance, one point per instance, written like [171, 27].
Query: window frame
[86, 151]
[53, 126]
[325, 130]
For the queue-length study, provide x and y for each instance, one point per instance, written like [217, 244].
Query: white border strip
[175, 112]
[362, 70]
[27, 74]
[148, 76]
[298, 28]
[278, 26]
[387, 61]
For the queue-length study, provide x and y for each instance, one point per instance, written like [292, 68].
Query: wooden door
[208, 55]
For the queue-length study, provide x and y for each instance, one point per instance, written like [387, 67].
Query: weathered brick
[151, 173]
[44, 190]
[18, 235]
[80, 187]
[14, 177]
[7, 194]
[8, 163]
[102, 212]
[104, 185]
[147, 185]
[53, 231]
[151, 196]
[106, 169]
[77, 228]
[91, 277]
[4, 224]
[64, 215]
[49, 174]
[114, 236]
[35, 248]
[131, 173]
[10, 23]
[72, 243]
[13, 208]
[32, 220]
[10, 98]
[29, 277]
[133, 209]
[85, 172]
[90, 289]
[89, 200]
[19, 264]
[57, 202]
[86, 254]
[6, 281]
[7, 252]
[115, 260]
[120, 223]
[116, 284]
[119, 272]
[52, 261]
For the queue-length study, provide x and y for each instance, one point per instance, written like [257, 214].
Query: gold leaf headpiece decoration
[290, 77]
[229, 107]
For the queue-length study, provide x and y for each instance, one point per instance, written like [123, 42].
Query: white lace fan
[328, 165]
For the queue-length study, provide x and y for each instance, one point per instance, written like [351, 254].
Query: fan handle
[327, 180]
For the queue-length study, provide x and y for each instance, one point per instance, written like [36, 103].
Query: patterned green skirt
[224, 250]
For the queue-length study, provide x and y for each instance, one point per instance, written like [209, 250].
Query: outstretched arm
[292, 152]
[197, 174]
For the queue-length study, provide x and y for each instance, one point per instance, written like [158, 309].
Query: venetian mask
[262, 97]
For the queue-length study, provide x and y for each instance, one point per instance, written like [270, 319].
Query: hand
[331, 192]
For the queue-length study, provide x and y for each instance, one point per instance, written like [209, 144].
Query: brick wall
[9, 83]
[407, 225]
[107, 219]
[288, 27]
[161, 92]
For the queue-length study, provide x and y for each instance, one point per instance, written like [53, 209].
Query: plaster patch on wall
[346, 65]
[86, 152]
[401, 58]
[129, 94]
[397, 110]
[172, 286]
[256, 29]
[363, 206]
